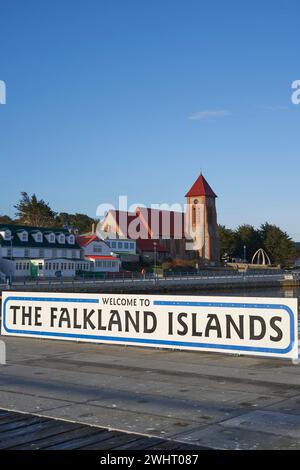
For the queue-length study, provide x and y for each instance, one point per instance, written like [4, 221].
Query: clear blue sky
[135, 97]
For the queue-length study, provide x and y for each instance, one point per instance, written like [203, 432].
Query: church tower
[201, 222]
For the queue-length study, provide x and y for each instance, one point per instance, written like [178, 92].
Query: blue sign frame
[156, 342]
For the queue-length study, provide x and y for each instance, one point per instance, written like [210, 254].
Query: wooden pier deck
[22, 431]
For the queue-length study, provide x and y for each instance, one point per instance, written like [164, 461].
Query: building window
[71, 239]
[41, 253]
[194, 216]
[126, 245]
[61, 239]
[40, 266]
[113, 244]
[26, 252]
[97, 249]
[7, 234]
[9, 252]
[132, 246]
[120, 245]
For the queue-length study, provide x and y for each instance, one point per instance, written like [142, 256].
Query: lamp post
[154, 244]
[245, 259]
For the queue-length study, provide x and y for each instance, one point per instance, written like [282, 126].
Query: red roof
[150, 223]
[100, 257]
[201, 188]
[162, 223]
[84, 240]
[148, 245]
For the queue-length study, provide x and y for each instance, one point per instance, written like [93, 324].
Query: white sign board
[255, 326]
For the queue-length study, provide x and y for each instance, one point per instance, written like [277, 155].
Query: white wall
[19, 252]
[66, 267]
[104, 266]
[95, 248]
[7, 266]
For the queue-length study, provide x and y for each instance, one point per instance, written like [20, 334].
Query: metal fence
[136, 277]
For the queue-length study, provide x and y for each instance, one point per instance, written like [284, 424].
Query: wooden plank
[141, 443]
[191, 446]
[112, 442]
[32, 436]
[67, 439]
[165, 445]
[12, 418]
[13, 433]
[87, 437]
[20, 424]
[22, 432]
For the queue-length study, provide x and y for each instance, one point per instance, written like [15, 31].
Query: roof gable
[31, 242]
[85, 240]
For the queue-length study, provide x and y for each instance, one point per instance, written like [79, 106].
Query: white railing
[170, 278]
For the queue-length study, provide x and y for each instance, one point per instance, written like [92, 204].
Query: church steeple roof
[201, 188]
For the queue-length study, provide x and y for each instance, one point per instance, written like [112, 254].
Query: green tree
[227, 240]
[247, 236]
[31, 211]
[82, 222]
[278, 244]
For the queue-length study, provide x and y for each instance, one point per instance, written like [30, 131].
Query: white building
[25, 250]
[98, 253]
[48, 252]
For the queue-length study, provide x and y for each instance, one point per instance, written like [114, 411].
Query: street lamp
[245, 259]
[154, 244]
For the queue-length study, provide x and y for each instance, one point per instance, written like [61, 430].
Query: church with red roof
[188, 234]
